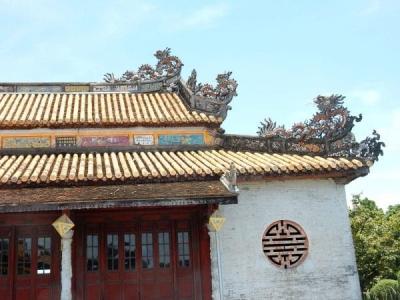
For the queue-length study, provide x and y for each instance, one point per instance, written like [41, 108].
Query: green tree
[376, 236]
[386, 289]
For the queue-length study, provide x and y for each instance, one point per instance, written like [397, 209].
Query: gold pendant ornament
[216, 222]
[63, 224]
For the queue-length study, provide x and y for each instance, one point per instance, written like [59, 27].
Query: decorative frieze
[66, 141]
[128, 88]
[39, 89]
[26, 142]
[121, 138]
[104, 141]
[7, 89]
[143, 139]
[77, 88]
[180, 139]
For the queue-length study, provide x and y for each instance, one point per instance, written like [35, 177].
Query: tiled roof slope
[51, 110]
[121, 195]
[86, 168]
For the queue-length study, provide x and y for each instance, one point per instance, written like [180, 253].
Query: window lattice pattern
[65, 141]
[147, 251]
[24, 256]
[112, 252]
[92, 252]
[164, 249]
[44, 255]
[285, 244]
[130, 251]
[4, 246]
[183, 249]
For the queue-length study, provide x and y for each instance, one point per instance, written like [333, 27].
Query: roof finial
[229, 179]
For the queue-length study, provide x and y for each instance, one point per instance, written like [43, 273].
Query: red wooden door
[150, 258]
[34, 261]
[6, 270]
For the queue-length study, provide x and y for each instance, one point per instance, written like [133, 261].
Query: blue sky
[282, 53]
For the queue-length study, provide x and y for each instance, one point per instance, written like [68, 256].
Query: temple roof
[159, 166]
[60, 110]
[321, 147]
[149, 96]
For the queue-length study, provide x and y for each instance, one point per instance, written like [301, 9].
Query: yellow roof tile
[36, 110]
[73, 167]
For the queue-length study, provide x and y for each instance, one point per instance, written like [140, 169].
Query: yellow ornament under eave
[63, 224]
[216, 222]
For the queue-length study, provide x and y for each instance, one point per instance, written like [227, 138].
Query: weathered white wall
[319, 206]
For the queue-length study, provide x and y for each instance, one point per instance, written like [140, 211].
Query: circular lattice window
[285, 244]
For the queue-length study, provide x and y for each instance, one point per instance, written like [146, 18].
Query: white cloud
[372, 7]
[391, 133]
[396, 119]
[366, 96]
[206, 16]
[121, 19]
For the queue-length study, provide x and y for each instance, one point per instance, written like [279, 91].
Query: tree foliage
[376, 236]
[388, 288]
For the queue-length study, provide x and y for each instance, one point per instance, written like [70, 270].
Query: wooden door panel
[43, 293]
[35, 266]
[112, 291]
[130, 290]
[6, 258]
[23, 293]
[92, 293]
[144, 249]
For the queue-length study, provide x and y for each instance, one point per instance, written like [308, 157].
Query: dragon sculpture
[328, 130]
[212, 99]
[167, 66]
[328, 133]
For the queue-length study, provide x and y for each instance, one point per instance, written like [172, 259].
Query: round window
[285, 244]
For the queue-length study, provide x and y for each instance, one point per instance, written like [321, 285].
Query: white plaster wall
[319, 206]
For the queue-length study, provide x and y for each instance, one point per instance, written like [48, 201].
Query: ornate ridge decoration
[168, 70]
[328, 132]
[210, 99]
[166, 75]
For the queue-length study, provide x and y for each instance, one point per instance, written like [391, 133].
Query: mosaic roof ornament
[168, 67]
[328, 133]
[212, 99]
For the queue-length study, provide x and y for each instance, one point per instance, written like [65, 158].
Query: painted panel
[6, 89]
[26, 142]
[115, 88]
[39, 89]
[65, 141]
[143, 139]
[181, 139]
[104, 141]
[76, 88]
